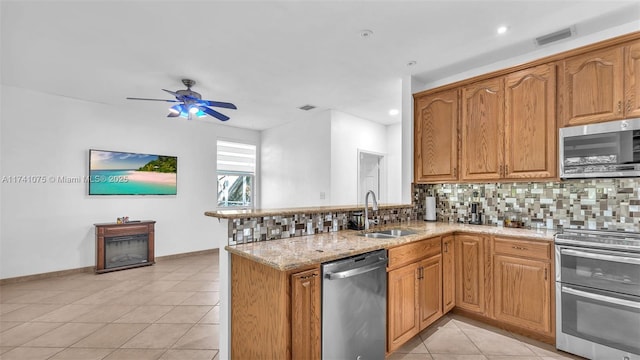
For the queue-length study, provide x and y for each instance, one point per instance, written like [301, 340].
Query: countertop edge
[524, 234]
[243, 214]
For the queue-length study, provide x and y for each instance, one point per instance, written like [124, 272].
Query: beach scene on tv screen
[118, 173]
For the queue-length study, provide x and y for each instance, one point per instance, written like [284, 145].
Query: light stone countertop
[249, 213]
[297, 252]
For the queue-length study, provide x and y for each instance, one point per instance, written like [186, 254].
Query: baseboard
[515, 329]
[181, 255]
[91, 269]
[47, 275]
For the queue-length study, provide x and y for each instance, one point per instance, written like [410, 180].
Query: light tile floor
[454, 337]
[170, 311]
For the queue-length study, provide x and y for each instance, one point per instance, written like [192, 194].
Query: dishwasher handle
[356, 271]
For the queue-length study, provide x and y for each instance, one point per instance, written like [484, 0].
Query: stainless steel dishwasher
[354, 307]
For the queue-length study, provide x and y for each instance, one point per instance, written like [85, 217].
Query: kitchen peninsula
[275, 284]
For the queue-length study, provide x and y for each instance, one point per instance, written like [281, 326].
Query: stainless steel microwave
[610, 149]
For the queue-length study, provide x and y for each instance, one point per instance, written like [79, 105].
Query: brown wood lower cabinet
[414, 289]
[430, 290]
[522, 292]
[470, 272]
[402, 289]
[274, 314]
[305, 317]
[448, 273]
[523, 284]
[506, 282]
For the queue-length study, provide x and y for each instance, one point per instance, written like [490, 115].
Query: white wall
[348, 135]
[49, 227]
[551, 49]
[394, 164]
[296, 163]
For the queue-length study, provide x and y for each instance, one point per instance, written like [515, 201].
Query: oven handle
[607, 299]
[598, 256]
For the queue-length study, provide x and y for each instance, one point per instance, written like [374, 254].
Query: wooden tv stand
[106, 262]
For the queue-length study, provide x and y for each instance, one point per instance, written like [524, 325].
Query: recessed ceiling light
[366, 33]
[502, 29]
[394, 112]
[411, 63]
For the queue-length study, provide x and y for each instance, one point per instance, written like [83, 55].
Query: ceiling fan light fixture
[191, 103]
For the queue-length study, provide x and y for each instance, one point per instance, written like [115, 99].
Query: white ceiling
[271, 57]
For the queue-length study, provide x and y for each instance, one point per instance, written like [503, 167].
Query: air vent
[555, 36]
[307, 107]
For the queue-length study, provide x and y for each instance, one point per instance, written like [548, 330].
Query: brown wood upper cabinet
[600, 85]
[483, 130]
[436, 137]
[530, 123]
[509, 126]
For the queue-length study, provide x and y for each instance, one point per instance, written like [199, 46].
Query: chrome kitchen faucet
[374, 207]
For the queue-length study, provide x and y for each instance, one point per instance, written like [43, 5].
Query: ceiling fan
[191, 103]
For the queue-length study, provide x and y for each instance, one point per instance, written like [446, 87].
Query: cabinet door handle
[619, 107]
[500, 171]
[545, 274]
[308, 276]
[519, 247]
[446, 247]
[455, 172]
[628, 106]
[506, 170]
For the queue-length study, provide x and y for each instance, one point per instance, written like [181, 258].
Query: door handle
[619, 107]
[356, 271]
[597, 256]
[603, 298]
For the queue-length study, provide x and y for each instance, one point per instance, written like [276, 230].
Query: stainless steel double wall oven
[598, 294]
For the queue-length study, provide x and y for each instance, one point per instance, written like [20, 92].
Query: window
[236, 174]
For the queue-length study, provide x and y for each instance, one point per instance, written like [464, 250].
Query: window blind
[236, 157]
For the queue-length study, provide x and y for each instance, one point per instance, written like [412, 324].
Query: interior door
[369, 175]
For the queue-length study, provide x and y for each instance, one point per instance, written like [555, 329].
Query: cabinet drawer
[525, 248]
[414, 251]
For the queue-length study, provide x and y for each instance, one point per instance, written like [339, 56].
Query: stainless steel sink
[378, 235]
[386, 234]
[397, 232]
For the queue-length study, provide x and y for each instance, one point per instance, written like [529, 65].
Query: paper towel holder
[430, 209]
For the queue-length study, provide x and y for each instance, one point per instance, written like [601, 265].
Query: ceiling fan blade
[135, 98]
[219, 104]
[214, 113]
[172, 92]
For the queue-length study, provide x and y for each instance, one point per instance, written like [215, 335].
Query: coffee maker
[476, 216]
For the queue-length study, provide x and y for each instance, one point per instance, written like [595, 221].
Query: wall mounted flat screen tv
[123, 173]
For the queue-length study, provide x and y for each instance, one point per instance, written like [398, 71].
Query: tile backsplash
[264, 228]
[612, 204]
